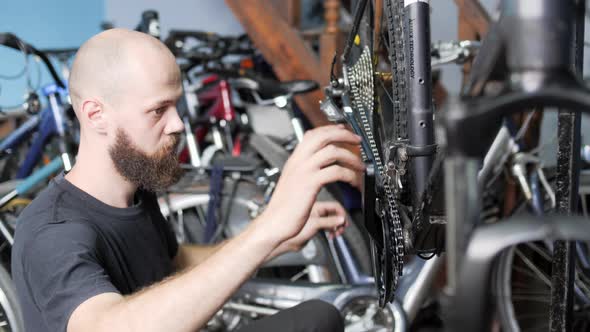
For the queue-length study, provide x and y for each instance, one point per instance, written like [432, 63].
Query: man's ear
[94, 114]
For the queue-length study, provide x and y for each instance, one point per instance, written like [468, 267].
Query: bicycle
[402, 216]
[43, 125]
[552, 79]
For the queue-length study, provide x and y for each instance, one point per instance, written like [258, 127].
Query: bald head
[107, 65]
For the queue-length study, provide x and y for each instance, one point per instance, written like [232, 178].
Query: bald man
[93, 253]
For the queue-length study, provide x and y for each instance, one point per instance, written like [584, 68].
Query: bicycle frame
[52, 124]
[47, 124]
[216, 96]
[422, 146]
[221, 110]
[39, 176]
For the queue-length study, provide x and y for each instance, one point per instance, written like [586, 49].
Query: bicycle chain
[361, 82]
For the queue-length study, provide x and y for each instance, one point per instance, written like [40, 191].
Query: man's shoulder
[51, 206]
[42, 207]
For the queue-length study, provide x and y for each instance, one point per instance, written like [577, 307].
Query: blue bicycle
[44, 133]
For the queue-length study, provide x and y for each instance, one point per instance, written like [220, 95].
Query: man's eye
[160, 111]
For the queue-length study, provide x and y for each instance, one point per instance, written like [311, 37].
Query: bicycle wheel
[10, 314]
[522, 287]
[522, 280]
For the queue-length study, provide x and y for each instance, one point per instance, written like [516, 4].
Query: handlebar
[212, 46]
[10, 40]
[60, 52]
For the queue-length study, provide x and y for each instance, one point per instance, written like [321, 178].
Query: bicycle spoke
[385, 89]
[533, 267]
[540, 251]
[526, 272]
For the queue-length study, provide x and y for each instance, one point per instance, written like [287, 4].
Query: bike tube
[45, 131]
[419, 85]
[20, 134]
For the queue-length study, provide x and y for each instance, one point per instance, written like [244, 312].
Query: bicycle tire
[10, 314]
[394, 10]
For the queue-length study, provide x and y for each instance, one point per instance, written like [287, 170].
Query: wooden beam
[284, 48]
[474, 22]
[475, 14]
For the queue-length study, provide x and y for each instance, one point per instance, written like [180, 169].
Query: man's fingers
[314, 140]
[331, 154]
[338, 230]
[327, 208]
[336, 173]
[330, 222]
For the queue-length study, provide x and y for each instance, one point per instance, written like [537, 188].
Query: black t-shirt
[69, 247]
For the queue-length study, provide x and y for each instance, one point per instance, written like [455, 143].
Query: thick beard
[153, 173]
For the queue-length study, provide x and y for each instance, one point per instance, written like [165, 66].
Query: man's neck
[97, 176]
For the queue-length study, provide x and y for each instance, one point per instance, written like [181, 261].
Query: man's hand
[328, 216]
[316, 161]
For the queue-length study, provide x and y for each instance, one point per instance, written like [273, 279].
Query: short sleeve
[62, 269]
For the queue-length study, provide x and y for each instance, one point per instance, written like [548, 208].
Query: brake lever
[454, 52]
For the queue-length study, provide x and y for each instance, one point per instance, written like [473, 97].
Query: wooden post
[472, 12]
[294, 13]
[473, 24]
[290, 10]
[330, 41]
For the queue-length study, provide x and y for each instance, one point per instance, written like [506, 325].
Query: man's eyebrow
[160, 103]
[169, 100]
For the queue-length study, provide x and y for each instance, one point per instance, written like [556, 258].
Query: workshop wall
[44, 24]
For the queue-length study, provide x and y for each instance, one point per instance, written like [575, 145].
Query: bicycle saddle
[272, 89]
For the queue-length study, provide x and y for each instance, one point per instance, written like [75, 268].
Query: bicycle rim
[10, 315]
[522, 288]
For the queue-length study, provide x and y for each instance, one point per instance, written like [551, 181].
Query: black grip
[147, 18]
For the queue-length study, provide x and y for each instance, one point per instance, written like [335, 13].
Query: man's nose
[174, 124]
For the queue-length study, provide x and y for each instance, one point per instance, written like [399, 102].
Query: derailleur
[397, 160]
